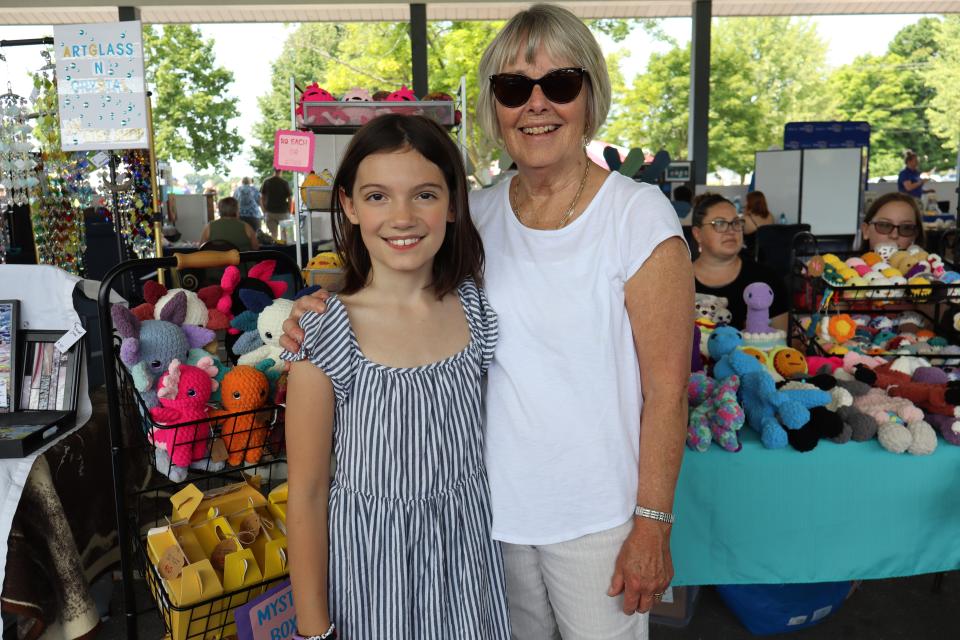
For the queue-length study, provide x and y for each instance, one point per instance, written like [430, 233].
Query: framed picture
[9, 323]
[50, 379]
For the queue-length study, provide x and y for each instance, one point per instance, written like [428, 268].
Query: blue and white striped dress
[410, 549]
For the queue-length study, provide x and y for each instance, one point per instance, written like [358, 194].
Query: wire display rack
[814, 296]
[198, 602]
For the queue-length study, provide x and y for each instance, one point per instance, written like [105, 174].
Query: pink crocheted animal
[313, 93]
[900, 424]
[183, 394]
[403, 94]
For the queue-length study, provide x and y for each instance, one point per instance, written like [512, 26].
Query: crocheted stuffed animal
[768, 411]
[824, 421]
[201, 306]
[258, 278]
[357, 115]
[183, 393]
[712, 308]
[313, 93]
[715, 413]
[148, 347]
[758, 296]
[262, 341]
[728, 359]
[403, 94]
[245, 389]
[929, 388]
[900, 425]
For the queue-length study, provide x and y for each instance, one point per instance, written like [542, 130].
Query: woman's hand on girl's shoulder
[293, 335]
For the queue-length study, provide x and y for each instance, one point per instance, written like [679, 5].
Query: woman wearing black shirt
[721, 270]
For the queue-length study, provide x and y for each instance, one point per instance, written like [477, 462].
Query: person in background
[248, 197]
[909, 180]
[593, 285]
[721, 270]
[892, 218]
[681, 201]
[755, 215]
[275, 200]
[230, 228]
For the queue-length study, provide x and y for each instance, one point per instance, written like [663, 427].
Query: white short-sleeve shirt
[563, 398]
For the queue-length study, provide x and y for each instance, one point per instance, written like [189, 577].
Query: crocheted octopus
[244, 389]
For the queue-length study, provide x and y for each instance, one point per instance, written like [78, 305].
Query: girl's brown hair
[461, 254]
[757, 204]
[896, 196]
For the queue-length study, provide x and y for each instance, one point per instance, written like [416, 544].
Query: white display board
[100, 86]
[831, 190]
[778, 177]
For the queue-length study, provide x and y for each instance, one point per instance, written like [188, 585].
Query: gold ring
[658, 595]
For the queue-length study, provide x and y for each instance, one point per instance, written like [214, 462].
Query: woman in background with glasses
[893, 218]
[722, 270]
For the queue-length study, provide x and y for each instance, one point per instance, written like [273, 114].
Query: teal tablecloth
[839, 512]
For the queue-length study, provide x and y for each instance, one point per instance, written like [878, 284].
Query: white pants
[560, 590]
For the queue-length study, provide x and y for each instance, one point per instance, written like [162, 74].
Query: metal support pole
[154, 191]
[418, 49]
[699, 90]
[296, 176]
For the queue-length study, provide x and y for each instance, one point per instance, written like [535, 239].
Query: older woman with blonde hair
[593, 286]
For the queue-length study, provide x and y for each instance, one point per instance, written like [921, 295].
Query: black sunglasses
[559, 86]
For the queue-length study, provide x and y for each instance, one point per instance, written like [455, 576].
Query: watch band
[653, 514]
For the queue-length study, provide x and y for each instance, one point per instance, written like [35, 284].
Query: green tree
[192, 102]
[871, 89]
[943, 76]
[765, 72]
[892, 93]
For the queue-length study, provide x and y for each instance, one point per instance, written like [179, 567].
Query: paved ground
[897, 609]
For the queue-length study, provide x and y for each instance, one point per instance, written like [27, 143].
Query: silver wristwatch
[653, 514]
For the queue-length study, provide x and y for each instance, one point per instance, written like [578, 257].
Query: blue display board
[826, 135]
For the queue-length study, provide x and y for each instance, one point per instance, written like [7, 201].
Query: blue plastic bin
[766, 609]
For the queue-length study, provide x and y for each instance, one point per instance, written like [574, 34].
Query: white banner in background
[100, 86]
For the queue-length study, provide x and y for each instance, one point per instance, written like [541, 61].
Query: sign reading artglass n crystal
[100, 86]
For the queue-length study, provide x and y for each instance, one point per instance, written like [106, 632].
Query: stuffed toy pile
[163, 347]
[886, 274]
[347, 110]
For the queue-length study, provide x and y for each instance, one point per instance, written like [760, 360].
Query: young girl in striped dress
[398, 544]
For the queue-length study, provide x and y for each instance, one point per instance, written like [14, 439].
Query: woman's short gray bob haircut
[566, 39]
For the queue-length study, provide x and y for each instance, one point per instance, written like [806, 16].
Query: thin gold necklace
[566, 216]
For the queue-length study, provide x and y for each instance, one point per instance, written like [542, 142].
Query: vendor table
[839, 512]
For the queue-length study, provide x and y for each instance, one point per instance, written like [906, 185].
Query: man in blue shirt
[909, 180]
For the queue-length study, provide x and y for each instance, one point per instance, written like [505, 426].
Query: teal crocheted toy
[768, 411]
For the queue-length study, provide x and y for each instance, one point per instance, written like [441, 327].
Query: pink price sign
[293, 151]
